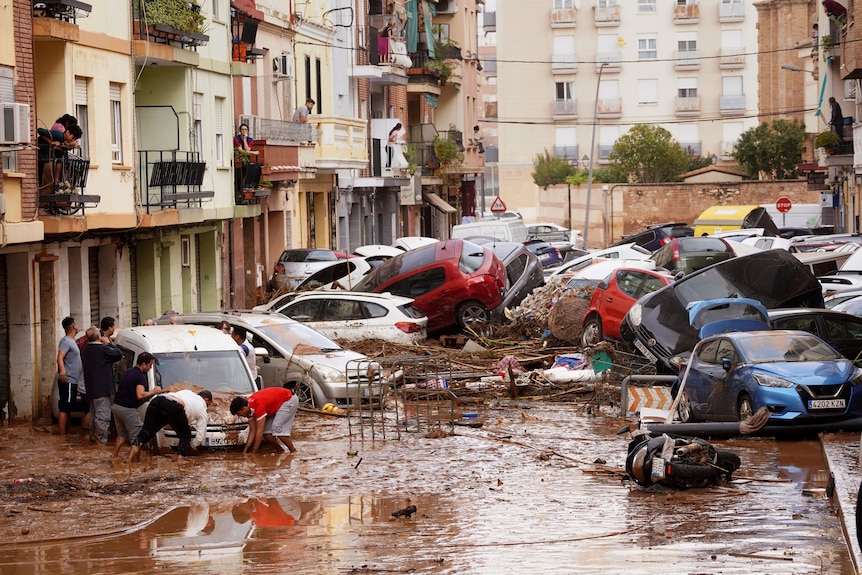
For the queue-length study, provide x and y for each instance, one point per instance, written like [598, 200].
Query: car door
[618, 299]
[845, 335]
[341, 318]
[707, 381]
[432, 294]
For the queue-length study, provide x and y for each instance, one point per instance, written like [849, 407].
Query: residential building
[597, 67]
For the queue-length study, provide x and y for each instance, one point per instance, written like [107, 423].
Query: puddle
[520, 494]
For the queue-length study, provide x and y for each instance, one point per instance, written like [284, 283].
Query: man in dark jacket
[98, 359]
[836, 119]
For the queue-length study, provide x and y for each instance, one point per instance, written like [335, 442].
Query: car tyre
[303, 391]
[683, 409]
[744, 408]
[592, 331]
[472, 313]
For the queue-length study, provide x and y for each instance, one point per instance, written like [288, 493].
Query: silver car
[295, 356]
[524, 273]
[294, 265]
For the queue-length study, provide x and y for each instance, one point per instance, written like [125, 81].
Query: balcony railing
[489, 65]
[564, 63]
[605, 151]
[731, 12]
[727, 149]
[489, 21]
[491, 110]
[687, 60]
[65, 10]
[688, 106]
[165, 34]
[569, 153]
[281, 132]
[691, 148]
[609, 16]
[611, 61]
[564, 18]
[421, 140]
[63, 181]
[565, 107]
[730, 58]
[732, 104]
[686, 13]
[609, 108]
[171, 179]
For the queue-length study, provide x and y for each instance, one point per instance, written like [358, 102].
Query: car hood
[724, 315]
[828, 372]
[334, 359]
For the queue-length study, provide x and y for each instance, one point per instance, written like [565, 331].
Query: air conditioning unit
[282, 66]
[14, 124]
[446, 6]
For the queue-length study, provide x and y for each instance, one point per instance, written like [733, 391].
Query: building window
[564, 4]
[116, 124]
[646, 6]
[566, 143]
[218, 126]
[565, 90]
[608, 4]
[686, 88]
[731, 86]
[686, 42]
[216, 12]
[608, 136]
[648, 91]
[82, 114]
[197, 122]
[7, 94]
[647, 48]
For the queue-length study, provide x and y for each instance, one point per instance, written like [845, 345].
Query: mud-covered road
[519, 495]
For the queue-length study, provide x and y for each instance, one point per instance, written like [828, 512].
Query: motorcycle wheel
[728, 461]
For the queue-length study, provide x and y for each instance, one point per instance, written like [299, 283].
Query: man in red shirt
[270, 414]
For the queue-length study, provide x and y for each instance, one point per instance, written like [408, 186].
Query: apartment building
[584, 72]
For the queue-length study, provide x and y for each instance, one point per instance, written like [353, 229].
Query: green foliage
[449, 155]
[648, 154]
[410, 156]
[771, 151]
[240, 156]
[180, 14]
[827, 139]
[549, 170]
[443, 68]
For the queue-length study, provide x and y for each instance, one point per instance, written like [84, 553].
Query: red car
[612, 299]
[452, 282]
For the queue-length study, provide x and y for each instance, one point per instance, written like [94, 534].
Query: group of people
[85, 378]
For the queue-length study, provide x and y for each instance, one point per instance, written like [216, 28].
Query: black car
[841, 330]
[658, 324]
[657, 235]
[523, 273]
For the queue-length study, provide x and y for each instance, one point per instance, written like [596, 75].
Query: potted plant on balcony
[240, 157]
[181, 15]
[449, 155]
[827, 139]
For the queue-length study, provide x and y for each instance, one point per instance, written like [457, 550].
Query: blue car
[548, 255]
[798, 376]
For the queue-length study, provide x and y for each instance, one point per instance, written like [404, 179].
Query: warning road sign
[498, 206]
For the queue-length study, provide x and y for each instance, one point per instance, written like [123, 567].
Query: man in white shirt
[181, 410]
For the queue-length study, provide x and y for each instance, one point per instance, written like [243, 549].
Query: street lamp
[593, 150]
[585, 161]
[795, 68]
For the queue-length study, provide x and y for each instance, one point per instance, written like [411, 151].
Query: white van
[506, 230]
[195, 357]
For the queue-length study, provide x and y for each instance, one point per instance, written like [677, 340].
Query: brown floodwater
[520, 495]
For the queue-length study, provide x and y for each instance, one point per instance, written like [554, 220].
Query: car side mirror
[726, 364]
[678, 274]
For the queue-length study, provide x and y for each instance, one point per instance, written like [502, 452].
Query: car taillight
[664, 241]
[279, 268]
[408, 326]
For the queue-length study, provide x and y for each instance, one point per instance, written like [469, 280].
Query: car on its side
[613, 298]
[658, 324]
[839, 328]
[375, 254]
[408, 243]
[454, 282]
[769, 243]
[294, 265]
[548, 255]
[687, 255]
[341, 275]
[523, 273]
[296, 357]
[355, 316]
[798, 376]
[655, 236]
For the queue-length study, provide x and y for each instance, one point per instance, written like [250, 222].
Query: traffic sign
[783, 204]
[498, 206]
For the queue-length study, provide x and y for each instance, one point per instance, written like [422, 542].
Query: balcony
[727, 149]
[564, 63]
[244, 24]
[421, 140]
[609, 16]
[422, 76]
[58, 19]
[490, 110]
[731, 12]
[731, 58]
[688, 106]
[686, 60]
[686, 14]
[171, 179]
[611, 61]
[342, 144]
[489, 65]
[691, 148]
[564, 109]
[609, 108]
[563, 18]
[569, 153]
[732, 104]
[489, 21]
[284, 162]
[63, 184]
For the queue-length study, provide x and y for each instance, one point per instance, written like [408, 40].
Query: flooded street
[520, 494]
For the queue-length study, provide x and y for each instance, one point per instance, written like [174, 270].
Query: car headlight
[857, 377]
[635, 315]
[330, 374]
[772, 381]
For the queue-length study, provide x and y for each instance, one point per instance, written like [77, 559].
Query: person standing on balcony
[53, 146]
[301, 114]
[394, 134]
[836, 120]
[243, 141]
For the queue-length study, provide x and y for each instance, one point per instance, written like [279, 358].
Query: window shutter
[7, 85]
[114, 93]
[196, 106]
[81, 91]
[219, 104]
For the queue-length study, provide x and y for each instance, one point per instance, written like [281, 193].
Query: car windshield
[220, 371]
[298, 339]
[472, 257]
[396, 266]
[783, 347]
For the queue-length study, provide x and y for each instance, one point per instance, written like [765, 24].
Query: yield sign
[498, 205]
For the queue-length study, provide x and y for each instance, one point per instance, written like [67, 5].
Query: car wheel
[472, 313]
[744, 408]
[684, 410]
[303, 391]
[592, 331]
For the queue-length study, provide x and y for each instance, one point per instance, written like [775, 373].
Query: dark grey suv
[657, 235]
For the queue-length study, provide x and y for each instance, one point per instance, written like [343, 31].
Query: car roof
[357, 295]
[249, 317]
[175, 338]
[789, 311]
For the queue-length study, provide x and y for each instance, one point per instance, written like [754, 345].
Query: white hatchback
[355, 316]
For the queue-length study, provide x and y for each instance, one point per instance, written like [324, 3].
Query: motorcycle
[677, 462]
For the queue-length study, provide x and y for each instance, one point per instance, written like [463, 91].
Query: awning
[439, 203]
[249, 7]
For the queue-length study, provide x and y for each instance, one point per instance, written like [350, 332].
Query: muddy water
[519, 495]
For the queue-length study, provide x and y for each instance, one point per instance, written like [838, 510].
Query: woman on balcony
[387, 37]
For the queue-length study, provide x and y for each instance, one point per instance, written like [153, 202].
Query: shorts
[83, 403]
[68, 395]
[128, 421]
[281, 423]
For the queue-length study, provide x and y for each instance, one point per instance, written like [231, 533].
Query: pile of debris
[552, 309]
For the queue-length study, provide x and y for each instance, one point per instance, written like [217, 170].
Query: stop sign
[783, 205]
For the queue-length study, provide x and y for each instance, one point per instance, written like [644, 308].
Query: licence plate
[647, 353]
[826, 404]
[216, 441]
[544, 257]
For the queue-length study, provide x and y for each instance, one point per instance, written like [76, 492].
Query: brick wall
[25, 92]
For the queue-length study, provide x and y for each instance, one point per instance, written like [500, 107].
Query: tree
[549, 170]
[648, 154]
[771, 151]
